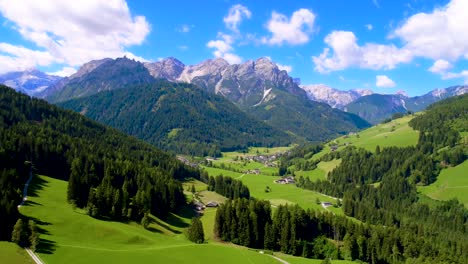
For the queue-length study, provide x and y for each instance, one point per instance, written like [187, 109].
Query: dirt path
[25, 190]
[34, 256]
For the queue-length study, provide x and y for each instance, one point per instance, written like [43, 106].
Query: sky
[383, 45]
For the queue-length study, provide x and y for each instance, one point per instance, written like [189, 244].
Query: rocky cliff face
[333, 97]
[248, 84]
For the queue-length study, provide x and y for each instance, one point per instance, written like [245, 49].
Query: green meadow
[395, 133]
[68, 235]
[451, 183]
[321, 172]
[12, 254]
[279, 193]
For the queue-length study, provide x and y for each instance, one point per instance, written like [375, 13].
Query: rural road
[25, 190]
[25, 197]
[34, 256]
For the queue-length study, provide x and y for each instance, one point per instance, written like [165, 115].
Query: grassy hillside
[12, 254]
[451, 183]
[70, 236]
[395, 133]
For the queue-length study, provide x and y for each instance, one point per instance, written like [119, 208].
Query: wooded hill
[114, 175]
[179, 117]
[379, 189]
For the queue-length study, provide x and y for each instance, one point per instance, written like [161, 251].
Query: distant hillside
[98, 76]
[31, 82]
[179, 117]
[377, 107]
[260, 88]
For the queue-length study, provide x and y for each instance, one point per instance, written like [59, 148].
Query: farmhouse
[212, 204]
[286, 180]
[326, 204]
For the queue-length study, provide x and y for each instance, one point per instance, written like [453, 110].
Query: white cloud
[235, 15]
[440, 66]
[441, 34]
[73, 34]
[369, 27]
[232, 58]
[347, 53]
[223, 48]
[64, 72]
[384, 81]
[293, 31]
[287, 68]
[443, 67]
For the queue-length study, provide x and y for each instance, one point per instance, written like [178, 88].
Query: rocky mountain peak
[169, 68]
[88, 67]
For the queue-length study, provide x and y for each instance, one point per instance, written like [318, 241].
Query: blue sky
[383, 45]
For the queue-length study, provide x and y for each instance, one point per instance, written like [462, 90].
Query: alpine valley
[227, 163]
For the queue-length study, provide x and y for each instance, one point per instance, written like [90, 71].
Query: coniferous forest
[395, 226]
[113, 175]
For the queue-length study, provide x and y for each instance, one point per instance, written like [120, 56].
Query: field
[12, 254]
[321, 172]
[68, 235]
[71, 236]
[451, 183]
[279, 194]
[395, 133]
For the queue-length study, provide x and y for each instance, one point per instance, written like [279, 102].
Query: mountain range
[257, 87]
[31, 82]
[178, 117]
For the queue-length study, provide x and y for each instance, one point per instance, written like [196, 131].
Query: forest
[179, 117]
[379, 189]
[112, 175]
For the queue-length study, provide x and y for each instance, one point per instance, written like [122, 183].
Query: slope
[260, 88]
[116, 175]
[103, 75]
[70, 236]
[179, 117]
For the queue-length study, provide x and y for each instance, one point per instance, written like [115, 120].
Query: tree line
[313, 234]
[226, 186]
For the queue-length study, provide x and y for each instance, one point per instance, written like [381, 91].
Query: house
[212, 204]
[286, 180]
[199, 206]
[326, 204]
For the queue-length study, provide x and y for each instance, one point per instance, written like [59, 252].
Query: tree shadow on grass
[36, 185]
[31, 203]
[166, 226]
[46, 246]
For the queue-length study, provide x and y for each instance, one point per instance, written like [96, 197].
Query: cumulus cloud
[235, 16]
[443, 67]
[440, 66]
[369, 27]
[64, 72]
[282, 67]
[223, 44]
[346, 53]
[73, 34]
[223, 48]
[441, 34]
[293, 31]
[384, 81]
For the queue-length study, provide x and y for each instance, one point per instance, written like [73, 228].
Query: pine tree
[19, 233]
[195, 231]
[33, 236]
[145, 221]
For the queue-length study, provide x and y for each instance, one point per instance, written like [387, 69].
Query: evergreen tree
[33, 235]
[195, 231]
[19, 234]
